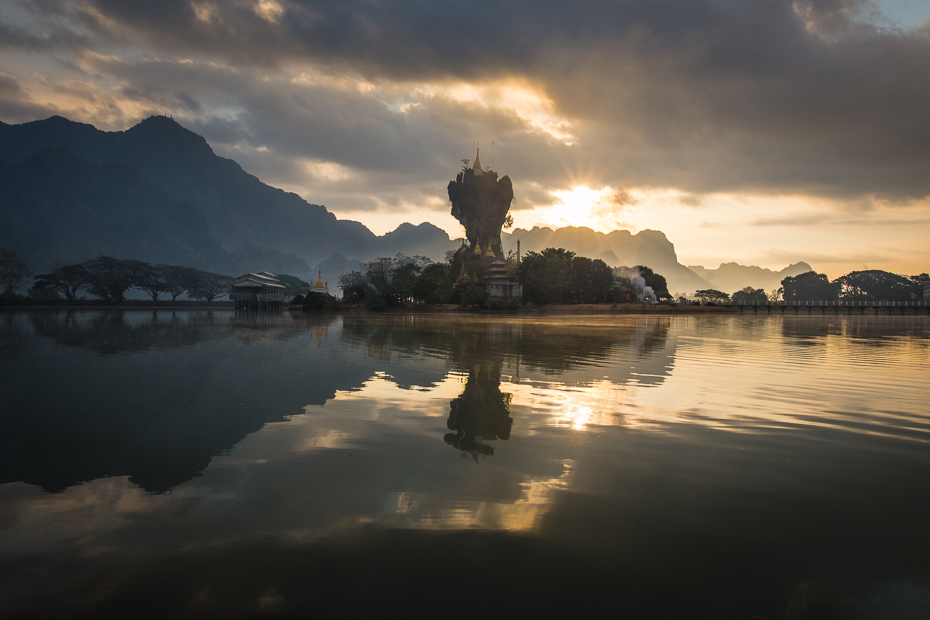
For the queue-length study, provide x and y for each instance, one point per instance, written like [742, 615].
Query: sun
[597, 208]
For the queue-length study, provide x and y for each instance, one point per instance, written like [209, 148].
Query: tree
[384, 282]
[109, 278]
[547, 276]
[148, 278]
[179, 280]
[809, 286]
[66, 280]
[13, 271]
[711, 295]
[592, 279]
[876, 285]
[920, 282]
[355, 287]
[655, 281]
[210, 286]
[404, 273]
[749, 295]
[777, 294]
[473, 293]
[378, 271]
[433, 285]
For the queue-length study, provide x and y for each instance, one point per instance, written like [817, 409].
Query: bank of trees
[13, 271]
[558, 276]
[108, 279]
[553, 276]
[867, 285]
[390, 281]
[711, 296]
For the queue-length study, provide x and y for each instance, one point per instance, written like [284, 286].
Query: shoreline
[129, 304]
[568, 309]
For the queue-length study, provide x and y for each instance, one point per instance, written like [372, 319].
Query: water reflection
[117, 331]
[695, 467]
[158, 418]
[481, 413]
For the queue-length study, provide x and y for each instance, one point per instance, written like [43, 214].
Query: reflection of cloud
[691, 441]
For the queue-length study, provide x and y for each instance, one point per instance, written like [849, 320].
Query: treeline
[868, 285]
[108, 279]
[553, 276]
[558, 276]
[391, 281]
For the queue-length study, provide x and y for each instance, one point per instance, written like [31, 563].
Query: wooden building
[257, 291]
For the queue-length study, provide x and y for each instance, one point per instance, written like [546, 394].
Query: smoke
[644, 293]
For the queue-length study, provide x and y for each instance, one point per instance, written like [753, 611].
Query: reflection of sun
[578, 417]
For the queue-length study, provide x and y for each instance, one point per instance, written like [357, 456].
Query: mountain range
[158, 192]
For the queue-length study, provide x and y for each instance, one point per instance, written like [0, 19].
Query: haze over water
[187, 463]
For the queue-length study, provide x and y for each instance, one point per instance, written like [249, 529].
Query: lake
[196, 463]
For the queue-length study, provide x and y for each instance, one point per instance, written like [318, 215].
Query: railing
[842, 303]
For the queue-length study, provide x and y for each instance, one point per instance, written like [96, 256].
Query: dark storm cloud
[720, 95]
[331, 121]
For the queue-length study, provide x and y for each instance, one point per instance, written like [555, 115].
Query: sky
[763, 132]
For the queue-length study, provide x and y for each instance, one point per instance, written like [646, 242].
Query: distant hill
[158, 192]
[619, 247]
[56, 206]
[239, 210]
[731, 277]
[425, 240]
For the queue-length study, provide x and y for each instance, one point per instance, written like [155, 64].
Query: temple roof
[319, 281]
[477, 165]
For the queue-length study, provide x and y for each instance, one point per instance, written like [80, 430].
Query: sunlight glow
[520, 98]
[204, 11]
[600, 209]
[269, 10]
[327, 170]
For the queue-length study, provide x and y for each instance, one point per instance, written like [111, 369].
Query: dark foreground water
[190, 464]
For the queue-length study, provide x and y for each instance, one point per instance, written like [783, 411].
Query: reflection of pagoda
[481, 412]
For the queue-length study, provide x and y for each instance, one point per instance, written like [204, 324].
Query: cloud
[16, 105]
[855, 257]
[768, 97]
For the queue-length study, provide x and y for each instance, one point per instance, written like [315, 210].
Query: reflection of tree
[480, 412]
[121, 331]
[117, 331]
[12, 339]
[864, 330]
[552, 346]
[481, 348]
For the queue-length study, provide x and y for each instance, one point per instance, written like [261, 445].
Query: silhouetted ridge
[239, 209]
[165, 132]
[62, 205]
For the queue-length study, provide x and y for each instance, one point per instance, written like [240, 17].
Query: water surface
[191, 463]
